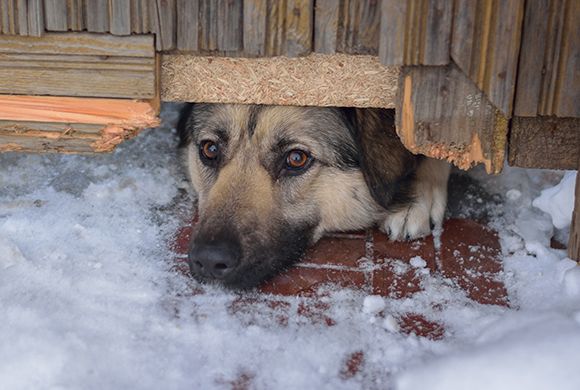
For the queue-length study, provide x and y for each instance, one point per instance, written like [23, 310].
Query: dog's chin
[248, 276]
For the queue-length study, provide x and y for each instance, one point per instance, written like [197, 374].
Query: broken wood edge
[464, 156]
[121, 119]
[336, 80]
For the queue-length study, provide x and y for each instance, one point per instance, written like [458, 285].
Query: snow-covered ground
[88, 298]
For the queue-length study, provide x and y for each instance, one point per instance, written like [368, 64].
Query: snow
[558, 201]
[89, 298]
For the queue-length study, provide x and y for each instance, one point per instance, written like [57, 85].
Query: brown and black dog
[272, 180]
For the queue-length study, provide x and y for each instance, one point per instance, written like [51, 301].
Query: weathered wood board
[78, 64]
[415, 32]
[545, 142]
[70, 125]
[314, 80]
[442, 114]
[549, 68]
[485, 44]
[347, 26]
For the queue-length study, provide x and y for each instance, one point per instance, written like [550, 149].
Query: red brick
[384, 249]
[301, 280]
[352, 365]
[388, 283]
[337, 251]
[418, 325]
[471, 256]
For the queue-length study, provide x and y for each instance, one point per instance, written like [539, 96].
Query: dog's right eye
[209, 151]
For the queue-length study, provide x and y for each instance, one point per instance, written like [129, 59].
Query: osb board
[78, 64]
[70, 125]
[315, 80]
[441, 113]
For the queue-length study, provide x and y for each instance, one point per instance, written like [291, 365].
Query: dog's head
[271, 180]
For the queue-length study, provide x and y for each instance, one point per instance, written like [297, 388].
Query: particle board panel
[545, 142]
[442, 114]
[78, 64]
[313, 80]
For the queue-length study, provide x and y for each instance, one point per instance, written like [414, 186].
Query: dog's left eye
[297, 160]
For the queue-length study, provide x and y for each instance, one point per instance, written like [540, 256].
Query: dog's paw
[427, 209]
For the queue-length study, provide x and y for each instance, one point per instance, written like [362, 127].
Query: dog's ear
[388, 168]
[183, 129]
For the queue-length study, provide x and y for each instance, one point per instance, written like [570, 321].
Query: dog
[272, 180]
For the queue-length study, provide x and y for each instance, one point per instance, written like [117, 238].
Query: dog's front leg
[428, 206]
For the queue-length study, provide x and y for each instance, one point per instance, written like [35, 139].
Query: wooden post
[574, 242]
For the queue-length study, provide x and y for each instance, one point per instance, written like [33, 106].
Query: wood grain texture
[208, 29]
[13, 17]
[255, 27]
[545, 142]
[120, 17]
[299, 26]
[574, 241]
[415, 32]
[187, 24]
[230, 18]
[485, 44]
[347, 26]
[35, 18]
[76, 20]
[165, 24]
[87, 125]
[442, 114]
[97, 13]
[313, 80]
[78, 64]
[55, 15]
[549, 72]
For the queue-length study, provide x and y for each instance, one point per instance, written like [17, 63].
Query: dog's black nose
[214, 261]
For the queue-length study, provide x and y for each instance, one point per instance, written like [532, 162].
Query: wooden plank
[120, 17]
[326, 24]
[141, 20]
[22, 10]
[574, 241]
[78, 64]
[75, 15]
[118, 119]
[80, 44]
[8, 17]
[97, 13]
[415, 32]
[55, 14]
[359, 28]
[208, 28]
[229, 15]
[187, 24]
[485, 44]
[548, 80]
[254, 27]
[35, 18]
[299, 27]
[545, 142]
[442, 114]
[164, 23]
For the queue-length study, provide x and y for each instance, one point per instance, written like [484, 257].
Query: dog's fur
[360, 176]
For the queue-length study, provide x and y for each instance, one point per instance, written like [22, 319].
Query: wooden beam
[314, 80]
[70, 125]
[442, 114]
[78, 64]
[574, 241]
[545, 142]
